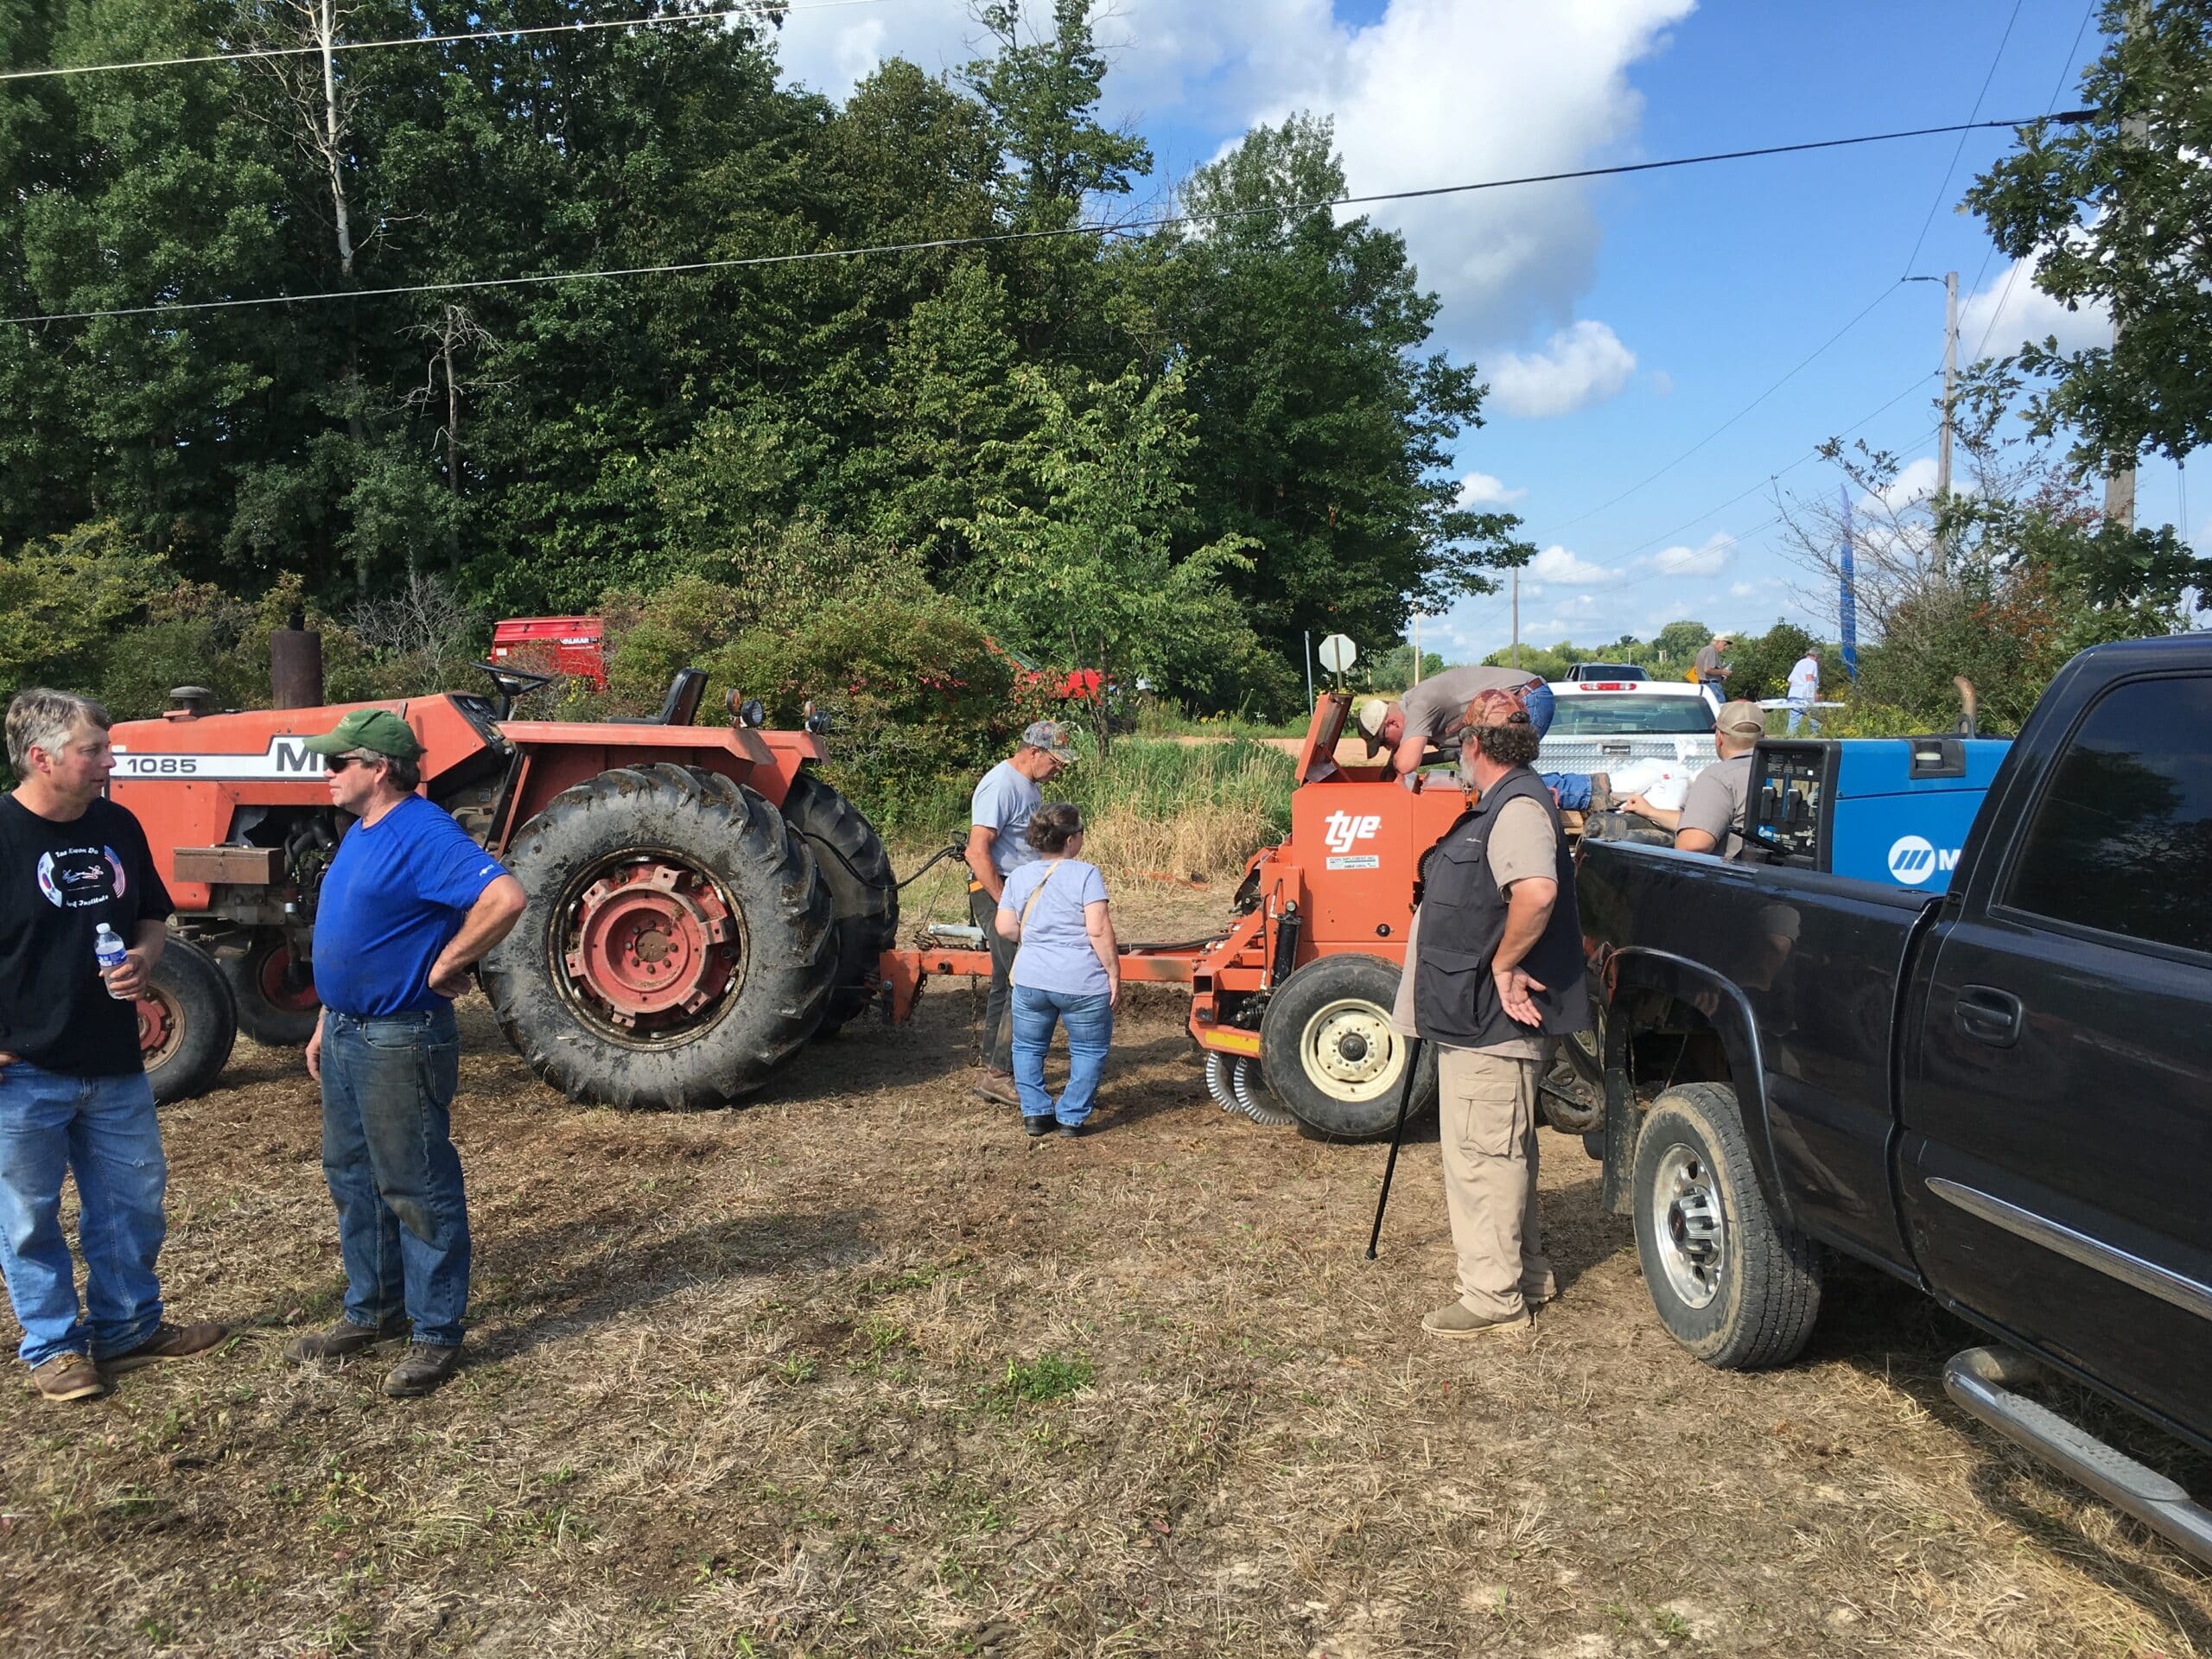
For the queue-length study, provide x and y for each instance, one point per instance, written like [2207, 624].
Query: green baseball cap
[378, 730]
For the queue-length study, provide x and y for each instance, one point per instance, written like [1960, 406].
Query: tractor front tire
[270, 1010]
[187, 1024]
[1328, 1053]
[676, 947]
[863, 892]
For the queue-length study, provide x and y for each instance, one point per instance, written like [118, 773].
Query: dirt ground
[858, 1368]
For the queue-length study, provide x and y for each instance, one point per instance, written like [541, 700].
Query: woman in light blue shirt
[1067, 971]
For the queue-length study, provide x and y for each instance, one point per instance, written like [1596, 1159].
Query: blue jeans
[102, 1130]
[1802, 711]
[388, 1085]
[1090, 1022]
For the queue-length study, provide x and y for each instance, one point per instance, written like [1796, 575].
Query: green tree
[1676, 645]
[1760, 664]
[2113, 208]
[1080, 561]
[1324, 435]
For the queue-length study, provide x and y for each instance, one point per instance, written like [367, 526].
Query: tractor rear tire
[676, 947]
[1318, 1049]
[269, 1012]
[187, 1024]
[863, 892]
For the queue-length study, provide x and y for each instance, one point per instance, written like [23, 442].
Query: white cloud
[1743, 589]
[1706, 559]
[1442, 92]
[1584, 365]
[1433, 92]
[1996, 320]
[1481, 490]
[1568, 569]
[1913, 486]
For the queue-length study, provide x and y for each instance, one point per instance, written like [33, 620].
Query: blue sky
[1625, 324]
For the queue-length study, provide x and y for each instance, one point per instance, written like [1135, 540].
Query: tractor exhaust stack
[296, 665]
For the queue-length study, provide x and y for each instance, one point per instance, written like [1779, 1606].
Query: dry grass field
[858, 1369]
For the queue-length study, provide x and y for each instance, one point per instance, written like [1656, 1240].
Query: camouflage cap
[378, 730]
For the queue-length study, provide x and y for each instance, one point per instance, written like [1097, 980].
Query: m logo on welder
[1341, 829]
[1913, 859]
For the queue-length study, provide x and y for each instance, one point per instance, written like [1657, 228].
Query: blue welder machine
[1892, 810]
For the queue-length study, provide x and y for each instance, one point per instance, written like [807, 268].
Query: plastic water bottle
[109, 948]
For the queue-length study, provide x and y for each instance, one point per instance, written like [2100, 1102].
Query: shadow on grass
[605, 1272]
[1889, 1330]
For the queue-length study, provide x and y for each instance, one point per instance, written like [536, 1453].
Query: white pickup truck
[1602, 725]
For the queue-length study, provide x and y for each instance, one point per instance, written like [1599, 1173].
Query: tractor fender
[1638, 968]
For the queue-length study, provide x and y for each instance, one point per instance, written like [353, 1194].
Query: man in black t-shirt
[73, 1094]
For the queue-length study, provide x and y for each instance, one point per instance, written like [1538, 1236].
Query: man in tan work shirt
[1495, 973]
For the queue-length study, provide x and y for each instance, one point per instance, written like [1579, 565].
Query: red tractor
[701, 902]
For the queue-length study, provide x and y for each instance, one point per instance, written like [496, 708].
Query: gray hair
[403, 773]
[39, 719]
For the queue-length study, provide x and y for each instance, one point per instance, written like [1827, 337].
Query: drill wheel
[1253, 1097]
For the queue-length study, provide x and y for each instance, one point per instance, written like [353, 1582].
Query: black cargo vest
[1463, 918]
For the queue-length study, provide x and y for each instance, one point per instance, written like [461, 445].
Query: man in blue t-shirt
[998, 815]
[408, 905]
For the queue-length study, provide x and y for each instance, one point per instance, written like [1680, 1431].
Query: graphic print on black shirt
[58, 883]
[77, 878]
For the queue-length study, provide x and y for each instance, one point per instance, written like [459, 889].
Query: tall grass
[1157, 718]
[1179, 808]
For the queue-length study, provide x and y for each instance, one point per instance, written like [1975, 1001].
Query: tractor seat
[680, 707]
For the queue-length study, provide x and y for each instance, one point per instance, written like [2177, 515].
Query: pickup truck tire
[1732, 1282]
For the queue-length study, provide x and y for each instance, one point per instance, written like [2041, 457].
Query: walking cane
[1397, 1138]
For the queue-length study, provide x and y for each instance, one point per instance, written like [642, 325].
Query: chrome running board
[1981, 1381]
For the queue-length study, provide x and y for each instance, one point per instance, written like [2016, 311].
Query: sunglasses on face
[339, 762]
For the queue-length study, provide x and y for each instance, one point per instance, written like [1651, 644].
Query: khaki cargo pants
[1487, 1128]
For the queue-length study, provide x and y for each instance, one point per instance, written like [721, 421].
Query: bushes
[918, 700]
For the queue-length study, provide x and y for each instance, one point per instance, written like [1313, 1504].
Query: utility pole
[1951, 385]
[2119, 482]
[1516, 616]
[1416, 678]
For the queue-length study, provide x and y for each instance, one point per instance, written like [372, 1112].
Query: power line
[1960, 148]
[1970, 125]
[762, 8]
[1161, 222]
[1486, 609]
[1801, 363]
[1771, 478]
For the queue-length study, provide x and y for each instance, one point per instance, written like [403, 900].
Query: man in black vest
[1497, 975]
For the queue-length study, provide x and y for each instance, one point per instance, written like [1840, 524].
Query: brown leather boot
[67, 1376]
[422, 1370]
[342, 1339]
[168, 1342]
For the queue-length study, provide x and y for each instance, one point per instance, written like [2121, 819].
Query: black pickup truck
[2001, 1093]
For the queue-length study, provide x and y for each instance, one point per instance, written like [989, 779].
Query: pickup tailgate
[1798, 973]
